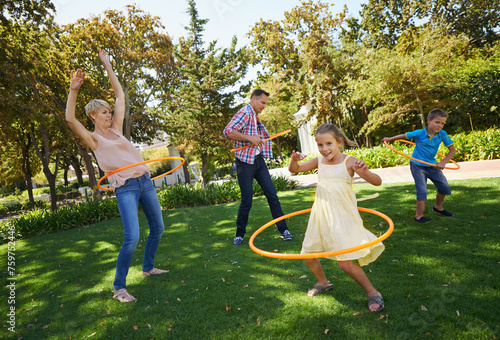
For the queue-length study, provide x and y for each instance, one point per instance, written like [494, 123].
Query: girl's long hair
[337, 133]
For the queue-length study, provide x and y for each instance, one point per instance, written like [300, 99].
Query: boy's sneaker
[286, 235]
[237, 241]
[442, 212]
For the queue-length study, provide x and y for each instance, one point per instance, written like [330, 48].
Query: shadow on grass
[439, 279]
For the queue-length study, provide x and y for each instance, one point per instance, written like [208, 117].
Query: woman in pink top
[132, 186]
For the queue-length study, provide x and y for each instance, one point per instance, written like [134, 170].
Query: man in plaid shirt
[245, 128]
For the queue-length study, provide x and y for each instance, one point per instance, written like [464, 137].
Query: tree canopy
[204, 97]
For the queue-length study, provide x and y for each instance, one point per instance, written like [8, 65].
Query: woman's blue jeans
[246, 173]
[129, 195]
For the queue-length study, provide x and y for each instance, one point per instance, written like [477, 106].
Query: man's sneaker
[286, 235]
[237, 241]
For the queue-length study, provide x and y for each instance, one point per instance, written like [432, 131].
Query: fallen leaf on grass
[136, 328]
[357, 313]
[326, 331]
[228, 308]
[102, 323]
[258, 320]
[91, 335]
[245, 286]
[45, 326]
[423, 307]
[303, 277]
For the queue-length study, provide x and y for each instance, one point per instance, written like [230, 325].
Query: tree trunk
[204, 175]
[187, 175]
[73, 160]
[87, 159]
[26, 167]
[420, 108]
[44, 155]
[66, 168]
[29, 186]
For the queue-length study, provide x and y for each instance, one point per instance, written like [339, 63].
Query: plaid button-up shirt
[244, 122]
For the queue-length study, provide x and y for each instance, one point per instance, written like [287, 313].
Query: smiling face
[435, 125]
[328, 145]
[102, 117]
[259, 103]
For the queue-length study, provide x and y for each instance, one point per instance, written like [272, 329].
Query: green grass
[440, 280]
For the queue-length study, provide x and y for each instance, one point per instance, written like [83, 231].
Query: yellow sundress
[335, 222]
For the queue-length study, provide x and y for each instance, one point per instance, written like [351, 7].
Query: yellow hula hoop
[140, 163]
[418, 160]
[264, 140]
[322, 254]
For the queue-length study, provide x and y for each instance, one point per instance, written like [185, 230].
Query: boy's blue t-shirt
[427, 147]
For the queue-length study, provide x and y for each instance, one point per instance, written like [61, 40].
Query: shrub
[44, 221]
[188, 195]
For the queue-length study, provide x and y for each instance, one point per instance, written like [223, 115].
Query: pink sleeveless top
[112, 154]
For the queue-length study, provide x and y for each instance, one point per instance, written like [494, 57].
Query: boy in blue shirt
[427, 142]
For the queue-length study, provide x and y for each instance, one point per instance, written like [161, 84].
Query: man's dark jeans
[246, 173]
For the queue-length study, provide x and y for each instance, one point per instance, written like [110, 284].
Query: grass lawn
[440, 280]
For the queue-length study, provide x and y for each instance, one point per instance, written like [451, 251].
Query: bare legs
[351, 269]
[420, 209]
[438, 205]
[439, 201]
[315, 267]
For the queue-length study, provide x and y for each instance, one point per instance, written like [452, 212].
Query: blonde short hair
[94, 105]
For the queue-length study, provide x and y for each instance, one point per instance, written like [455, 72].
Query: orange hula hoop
[140, 163]
[418, 160]
[264, 140]
[322, 254]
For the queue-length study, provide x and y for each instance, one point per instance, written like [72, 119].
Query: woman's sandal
[154, 271]
[317, 289]
[376, 299]
[123, 296]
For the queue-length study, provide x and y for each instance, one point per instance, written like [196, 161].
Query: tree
[384, 21]
[16, 98]
[297, 51]
[141, 54]
[37, 11]
[203, 100]
[405, 83]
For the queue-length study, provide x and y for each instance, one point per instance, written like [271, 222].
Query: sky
[226, 17]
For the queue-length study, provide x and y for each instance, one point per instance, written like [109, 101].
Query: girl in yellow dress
[335, 222]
